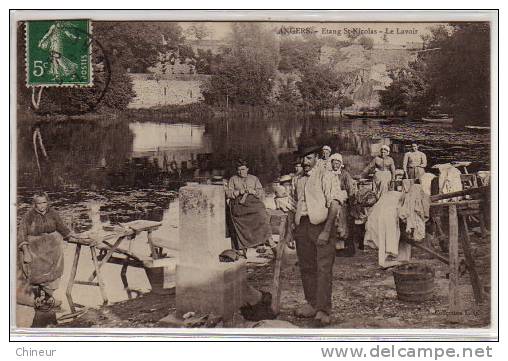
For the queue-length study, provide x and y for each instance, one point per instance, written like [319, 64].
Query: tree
[321, 87]
[298, 55]
[343, 103]
[198, 30]
[366, 42]
[409, 91]
[459, 70]
[246, 72]
[136, 45]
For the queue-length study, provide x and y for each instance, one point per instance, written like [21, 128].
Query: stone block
[216, 289]
[202, 224]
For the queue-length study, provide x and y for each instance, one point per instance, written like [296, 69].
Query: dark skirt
[250, 223]
[47, 258]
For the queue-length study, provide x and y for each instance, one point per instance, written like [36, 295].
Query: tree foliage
[198, 30]
[136, 45]
[459, 72]
[298, 55]
[246, 71]
[409, 91]
[452, 73]
[366, 42]
[321, 87]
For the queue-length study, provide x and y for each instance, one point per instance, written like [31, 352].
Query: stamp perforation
[89, 84]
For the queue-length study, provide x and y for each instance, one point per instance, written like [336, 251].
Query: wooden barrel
[414, 282]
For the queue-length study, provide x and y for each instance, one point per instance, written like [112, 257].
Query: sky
[222, 29]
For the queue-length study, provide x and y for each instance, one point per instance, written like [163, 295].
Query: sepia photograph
[326, 176]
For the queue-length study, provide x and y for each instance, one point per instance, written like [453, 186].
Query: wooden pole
[473, 275]
[453, 251]
[72, 277]
[276, 289]
[430, 251]
[102, 287]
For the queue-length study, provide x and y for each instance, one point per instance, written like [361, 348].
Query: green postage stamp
[58, 53]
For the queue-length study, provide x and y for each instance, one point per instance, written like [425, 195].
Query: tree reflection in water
[84, 153]
[97, 154]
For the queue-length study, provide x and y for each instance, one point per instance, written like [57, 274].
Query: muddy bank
[364, 297]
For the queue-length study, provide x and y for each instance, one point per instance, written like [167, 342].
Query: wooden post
[72, 277]
[276, 290]
[453, 251]
[102, 287]
[155, 255]
[473, 275]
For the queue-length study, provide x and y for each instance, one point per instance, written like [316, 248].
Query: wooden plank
[458, 203]
[142, 225]
[453, 252]
[430, 251]
[121, 251]
[466, 192]
[473, 275]
[86, 283]
[128, 261]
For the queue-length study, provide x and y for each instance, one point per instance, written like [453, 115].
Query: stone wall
[154, 90]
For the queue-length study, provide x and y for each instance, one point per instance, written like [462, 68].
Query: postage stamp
[58, 53]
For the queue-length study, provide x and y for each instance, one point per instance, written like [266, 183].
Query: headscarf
[336, 156]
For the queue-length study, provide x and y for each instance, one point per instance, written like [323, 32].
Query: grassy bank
[168, 113]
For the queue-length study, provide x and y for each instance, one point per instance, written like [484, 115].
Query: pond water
[120, 170]
[129, 154]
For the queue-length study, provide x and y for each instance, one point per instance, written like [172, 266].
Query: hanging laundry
[426, 181]
[449, 179]
[414, 211]
[383, 223]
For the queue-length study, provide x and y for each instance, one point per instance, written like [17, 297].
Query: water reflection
[120, 154]
[101, 172]
[86, 154]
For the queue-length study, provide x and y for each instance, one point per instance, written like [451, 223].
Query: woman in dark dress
[249, 217]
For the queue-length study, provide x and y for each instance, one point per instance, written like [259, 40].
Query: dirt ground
[364, 296]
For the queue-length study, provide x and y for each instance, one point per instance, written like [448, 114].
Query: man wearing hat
[317, 196]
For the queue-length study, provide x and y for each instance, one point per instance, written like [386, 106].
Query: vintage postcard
[190, 171]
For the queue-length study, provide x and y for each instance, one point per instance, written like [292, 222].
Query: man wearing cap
[414, 163]
[317, 195]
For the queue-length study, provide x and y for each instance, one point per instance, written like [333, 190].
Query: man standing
[317, 197]
[414, 163]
